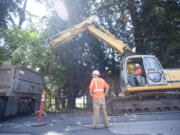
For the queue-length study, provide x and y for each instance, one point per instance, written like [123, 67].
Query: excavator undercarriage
[148, 102]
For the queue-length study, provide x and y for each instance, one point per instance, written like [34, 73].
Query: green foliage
[10, 9]
[114, 15]
[73, 55]
[3, 54]
[24, 47]
[152, 25]
[159, 21]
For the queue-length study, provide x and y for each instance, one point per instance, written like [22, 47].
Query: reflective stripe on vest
[96, 89]
[95, 83]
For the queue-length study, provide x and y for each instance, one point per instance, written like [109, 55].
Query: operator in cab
[137, 75]
[138, 70]
[135, 79]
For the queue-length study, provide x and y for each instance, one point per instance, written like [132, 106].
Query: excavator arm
[98, 31]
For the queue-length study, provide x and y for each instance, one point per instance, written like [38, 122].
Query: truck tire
[3, 102]
[26, 108]
[32, 104]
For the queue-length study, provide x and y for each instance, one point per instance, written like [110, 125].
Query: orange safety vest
[138, 71]
[97, 85]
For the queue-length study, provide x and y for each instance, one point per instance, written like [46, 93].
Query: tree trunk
[63, 98]
[71, 100]
[117, 86]
[50, 102]
[63, 102]
[57, 103]
[89, 99]
[22, 16]
[137, 28]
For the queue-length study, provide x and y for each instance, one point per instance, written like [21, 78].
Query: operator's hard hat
[96, 72]
[137, 65]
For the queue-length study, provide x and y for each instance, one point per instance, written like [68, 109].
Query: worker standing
[97, 93]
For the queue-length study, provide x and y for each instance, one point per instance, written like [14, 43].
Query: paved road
[80, 123]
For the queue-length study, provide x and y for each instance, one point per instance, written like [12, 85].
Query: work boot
[106, 126]
[94, 127]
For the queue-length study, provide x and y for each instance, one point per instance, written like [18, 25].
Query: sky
[40, 10]
[37, 9]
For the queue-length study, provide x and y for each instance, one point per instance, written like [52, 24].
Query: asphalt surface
[80, 124]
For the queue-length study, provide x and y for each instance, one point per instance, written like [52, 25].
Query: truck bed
[19, 80]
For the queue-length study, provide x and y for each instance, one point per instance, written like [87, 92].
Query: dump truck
[158, 88]
[20, 90]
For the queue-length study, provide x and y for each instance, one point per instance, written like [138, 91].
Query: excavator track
[150, 102]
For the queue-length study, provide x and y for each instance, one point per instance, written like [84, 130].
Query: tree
[160, 22]
[79, 56]
[138, 35]
[11, 9]
[24, 47]
[114, 15]
[155, 25]
[85, 53]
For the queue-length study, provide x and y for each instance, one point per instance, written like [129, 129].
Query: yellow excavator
[154, 90]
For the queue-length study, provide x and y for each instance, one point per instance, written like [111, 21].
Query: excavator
[156, 90]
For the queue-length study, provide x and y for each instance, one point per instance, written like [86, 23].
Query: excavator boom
[100, 33]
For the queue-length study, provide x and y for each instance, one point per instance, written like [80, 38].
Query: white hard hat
[96, 72]
[137, 65]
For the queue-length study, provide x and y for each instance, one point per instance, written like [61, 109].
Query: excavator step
[144, 103]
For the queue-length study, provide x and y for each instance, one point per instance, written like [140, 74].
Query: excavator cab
[152, 72]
